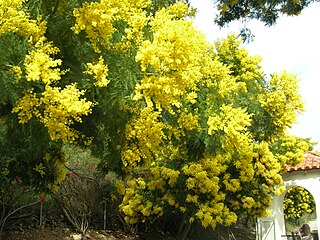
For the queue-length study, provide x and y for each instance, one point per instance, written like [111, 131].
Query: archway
[299, 209]
[306, 175]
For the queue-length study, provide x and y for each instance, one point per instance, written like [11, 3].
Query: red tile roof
[311, 161]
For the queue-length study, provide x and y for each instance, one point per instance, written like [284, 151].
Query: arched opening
[306, 175]
[299, 209]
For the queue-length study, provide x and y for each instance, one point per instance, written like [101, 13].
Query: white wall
[310, 180]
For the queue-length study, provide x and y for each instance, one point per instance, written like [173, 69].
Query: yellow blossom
[97, 20]
[99, 71]
[40, 65]
[40, 169]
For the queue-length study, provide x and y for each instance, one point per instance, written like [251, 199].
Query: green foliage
[12, 51]
[22, 162]
[266, 11]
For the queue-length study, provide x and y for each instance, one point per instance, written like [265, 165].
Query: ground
[66, 234]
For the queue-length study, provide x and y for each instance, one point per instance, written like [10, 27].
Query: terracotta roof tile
[311, 161]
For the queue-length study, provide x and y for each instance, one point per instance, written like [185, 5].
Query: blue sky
[293, 44]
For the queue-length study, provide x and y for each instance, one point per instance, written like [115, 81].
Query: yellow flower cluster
[27, 106]
[290, 150]
[232, 185]
[246, 68]
[14, 19]
[61, 107]
[168, 175]
[188, 121]
[298, 202]
[198, 180]
[265, 172]
[169, 198]
[61, 172]
[39, 66]
[172, 61]
[136, 17]
[56, 162]
[217, 213]
[207, 190]
[219, 78]
[39, 168]
[131, 156]
[267, 165]
[16, 71]
[98, 20]
[248, 202]
[56, 108]
[147, 132]
[99, 71]
[283, 101]
[134, 205]
[191, 97]
[60, 169]
[233, 121]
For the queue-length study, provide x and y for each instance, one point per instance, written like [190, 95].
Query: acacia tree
[206, 147]
[194, 128]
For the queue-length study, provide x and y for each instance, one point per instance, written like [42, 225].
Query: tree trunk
[184, 228]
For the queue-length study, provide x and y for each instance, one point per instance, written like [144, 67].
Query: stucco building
[306, 175]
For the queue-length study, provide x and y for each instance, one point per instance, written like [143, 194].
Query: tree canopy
[267, 11]
[191, 127]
